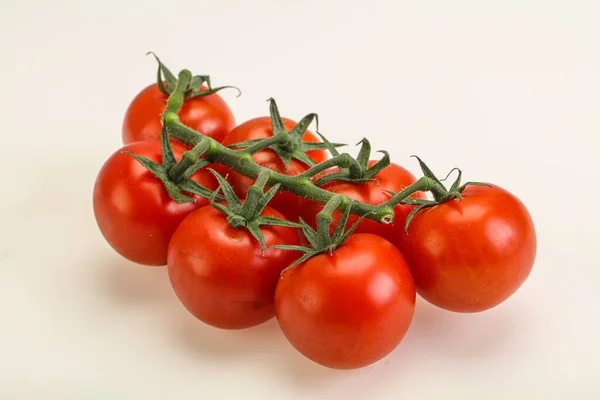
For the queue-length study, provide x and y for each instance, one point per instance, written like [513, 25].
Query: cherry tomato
[470, 255]
[220, 274]
[133, 210]
[393, 178]
[260, 128]
[209, 115]
[350, 308]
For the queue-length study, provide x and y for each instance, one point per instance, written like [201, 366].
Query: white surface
[509, 92]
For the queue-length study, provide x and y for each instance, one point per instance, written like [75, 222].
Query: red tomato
[350, 308]
[209, 115]
[470, 255]
[220, 274]
[133, 210]
[260, 128]
[393, 178]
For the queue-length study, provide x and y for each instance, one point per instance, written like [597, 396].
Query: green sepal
[255, 231]
[190, 162]
[174, 191]
[358, 172]
[440, 193]
[155, 168]
[246, 215]
[168, 158]
[192, 90]
[285, 158]
[303, 146]
[415, 210]
[190, 186]
[233, 202]
[350, 231]
[206, 92]
[328, 145]
[307, 254]
[195, 167]
[274, 221]
[312, 146]
[379, 166]
[303, 158]
[321, 241]
[266, 198]
[164, 74]
[287, 145]
[338, 234]
[292, 247]
[276, 121]
[198, 81]
[173, 186]
[159, 172]
[331, 177]
[298, 131]
[438, 190]
[309, 233]
[254, 227]
[364, 154]
[460, 190]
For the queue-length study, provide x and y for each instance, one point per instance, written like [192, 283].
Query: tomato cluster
[240, 251]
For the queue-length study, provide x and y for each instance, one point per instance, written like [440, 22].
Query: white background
[509, 91]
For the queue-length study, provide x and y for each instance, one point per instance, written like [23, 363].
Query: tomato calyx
[321, 241]
[174, 175]
[198, 86]
[438, 190]
[246, 214]
[287, 145]
[358, 170]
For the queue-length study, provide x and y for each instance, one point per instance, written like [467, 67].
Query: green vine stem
[241, 161]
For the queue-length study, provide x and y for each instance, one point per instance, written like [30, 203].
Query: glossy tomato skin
[134, 212]
[209, 115]
[260, 128]
[220, 274]
[471, 255]
[393, 178]
[348, 309]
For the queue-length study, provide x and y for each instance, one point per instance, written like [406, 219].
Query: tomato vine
[251, 221]
[241, 161]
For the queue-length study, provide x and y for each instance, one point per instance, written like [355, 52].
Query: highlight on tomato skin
[349, 309]
[134, 212]
[209, 115]
[221, 275]
[473, 254]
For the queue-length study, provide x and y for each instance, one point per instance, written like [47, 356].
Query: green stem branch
[188, 159]
[423, 184]
[342, 161]
[278, 138]
[175, 100]
[242, 162]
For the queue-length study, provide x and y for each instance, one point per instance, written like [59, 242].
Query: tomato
[470, 255]
[393, 178]
[220, 274]
[209, 115]
[260, 128]
[133, 210]
[350, 308]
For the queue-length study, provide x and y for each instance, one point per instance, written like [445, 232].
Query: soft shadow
[127, 283]
[302, 370]
[446, 334]
[194, 336]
